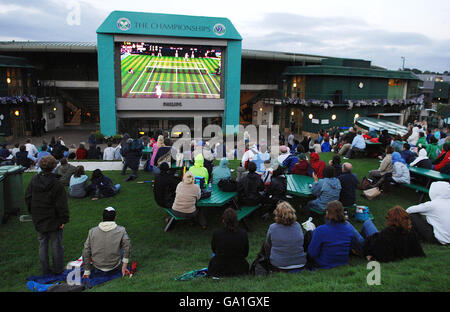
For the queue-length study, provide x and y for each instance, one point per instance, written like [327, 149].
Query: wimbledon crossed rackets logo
[219, 29]
[123, 24]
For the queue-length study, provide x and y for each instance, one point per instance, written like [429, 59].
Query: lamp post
[403, 66]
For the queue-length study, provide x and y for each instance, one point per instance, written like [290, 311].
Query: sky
[381, 31]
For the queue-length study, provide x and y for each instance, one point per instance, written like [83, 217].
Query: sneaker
[346, 157]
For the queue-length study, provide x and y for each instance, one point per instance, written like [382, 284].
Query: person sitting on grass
[187, 194]
[397, 241]
[329, 245]
[250, 187]
[302, 167]
[230, 248]
[24, 159]
[221, 172]
[65, 171]
[317, 164]
[284, 241]
[336, 164]
[107, 246]
[326, 147]
[325, 190]
[46, 200]
[358, 145]
[78, 184]
[102, 186]
[41, 154]
[431, 220]
[385, 166]
[400, 174]
[349, 184]
[165, 186]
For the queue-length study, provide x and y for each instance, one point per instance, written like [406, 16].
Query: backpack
[227, 185]
[136, 145]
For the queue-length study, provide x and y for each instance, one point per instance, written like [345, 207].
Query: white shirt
[108, 153]
[31, 149]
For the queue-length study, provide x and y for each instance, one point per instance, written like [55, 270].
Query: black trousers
[423, 229]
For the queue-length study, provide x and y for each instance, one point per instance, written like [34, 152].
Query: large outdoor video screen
[155, 70]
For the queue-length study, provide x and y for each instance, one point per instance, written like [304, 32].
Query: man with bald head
[349, 183]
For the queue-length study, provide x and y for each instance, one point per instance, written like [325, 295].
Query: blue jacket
[408, 156]
[326, 190]
[330, 244]
[290, 161]
[326, 147]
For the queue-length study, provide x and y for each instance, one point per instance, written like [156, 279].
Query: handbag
[371, 193]
[227, 185]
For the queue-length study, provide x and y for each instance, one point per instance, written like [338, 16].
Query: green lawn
[163, 256]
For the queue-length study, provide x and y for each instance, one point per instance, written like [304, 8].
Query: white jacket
[437, 211]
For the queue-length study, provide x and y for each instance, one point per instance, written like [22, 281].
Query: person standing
[46, 200]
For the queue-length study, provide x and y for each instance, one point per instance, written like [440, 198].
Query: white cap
[110, 209]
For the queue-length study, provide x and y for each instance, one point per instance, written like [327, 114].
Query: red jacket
[444, 161]
[81, 153]
[301, 168]
[317, 164]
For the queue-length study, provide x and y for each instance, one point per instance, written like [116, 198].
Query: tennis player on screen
[158, 90]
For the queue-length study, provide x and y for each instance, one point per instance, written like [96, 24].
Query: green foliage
[162, 256]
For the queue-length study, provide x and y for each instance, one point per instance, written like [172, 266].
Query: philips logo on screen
[219, 29]
[123, 24]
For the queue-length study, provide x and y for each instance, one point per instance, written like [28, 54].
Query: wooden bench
[172, 219]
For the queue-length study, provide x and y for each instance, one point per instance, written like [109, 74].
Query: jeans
[56, 238]
[358, 239]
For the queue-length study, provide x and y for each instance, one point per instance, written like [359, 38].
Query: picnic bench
[431, 175]
[298, 185]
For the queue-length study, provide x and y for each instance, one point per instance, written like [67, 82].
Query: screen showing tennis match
[155, 70]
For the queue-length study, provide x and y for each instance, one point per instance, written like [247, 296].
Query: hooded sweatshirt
[77, 186]
[198, 169]
[221, 172]
[422, 161]
[326, 190]
[400, 172]
[317, 164]
[414, 137]
[46, 200]
[104, 246]
[437, 210]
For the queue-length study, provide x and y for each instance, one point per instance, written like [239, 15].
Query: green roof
[326, 70]
[11, 61]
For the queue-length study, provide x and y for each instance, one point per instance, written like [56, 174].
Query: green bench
[172, 219]
[243, 212]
